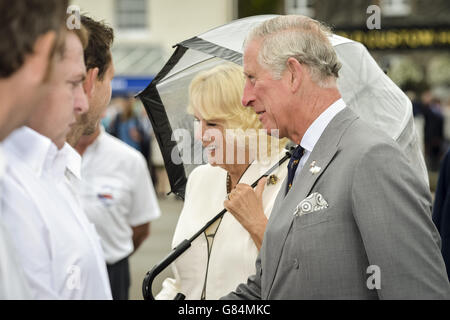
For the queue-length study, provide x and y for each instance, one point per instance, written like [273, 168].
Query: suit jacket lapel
[282, 217]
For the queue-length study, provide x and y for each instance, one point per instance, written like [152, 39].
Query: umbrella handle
[150, 276]
[186, 244]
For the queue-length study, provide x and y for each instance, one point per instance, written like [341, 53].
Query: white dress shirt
[315, 130]
[13, 285]
[57, 246]
[233, 254]
[117, 193]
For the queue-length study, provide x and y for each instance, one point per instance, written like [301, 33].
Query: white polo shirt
[13, 285]
[57, 246]
[117, 193]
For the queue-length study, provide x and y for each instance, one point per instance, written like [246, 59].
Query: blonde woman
[224, 256]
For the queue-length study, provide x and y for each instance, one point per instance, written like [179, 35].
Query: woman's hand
[246, 205]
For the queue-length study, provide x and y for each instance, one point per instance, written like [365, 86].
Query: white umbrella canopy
[365, 88]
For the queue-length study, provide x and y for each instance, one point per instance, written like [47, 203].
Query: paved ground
[155, 248]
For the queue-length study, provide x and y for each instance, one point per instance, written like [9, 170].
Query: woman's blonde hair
[216, 94]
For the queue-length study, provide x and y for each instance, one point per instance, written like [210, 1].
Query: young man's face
[26, 87]
[66, 98]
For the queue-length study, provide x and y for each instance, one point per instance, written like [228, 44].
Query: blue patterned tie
[292, 166]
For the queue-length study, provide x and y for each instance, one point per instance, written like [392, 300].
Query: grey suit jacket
[378, 214]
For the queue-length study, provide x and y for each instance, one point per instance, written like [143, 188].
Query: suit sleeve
[441, 210]
[441, 193]
[250, 290]
[392, 208]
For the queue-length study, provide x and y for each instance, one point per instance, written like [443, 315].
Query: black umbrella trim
[213, 49]
[161, 125]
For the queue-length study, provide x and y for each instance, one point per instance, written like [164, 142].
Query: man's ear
[89, 82]
[295, 70]
[38, 61]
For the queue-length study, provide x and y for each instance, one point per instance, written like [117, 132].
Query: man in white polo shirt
[119, 198]
[57, 246]
[117, 192]
[23, 70]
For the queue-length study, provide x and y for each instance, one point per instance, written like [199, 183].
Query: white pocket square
[314, 202]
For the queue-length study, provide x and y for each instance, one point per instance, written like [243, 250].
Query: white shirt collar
[94, 144]
[102, 133]
[319, 125]
[41, 154]
[92, 148]
[73, 160]
[31, 147]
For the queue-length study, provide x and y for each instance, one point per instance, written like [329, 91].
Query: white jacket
[233, 253]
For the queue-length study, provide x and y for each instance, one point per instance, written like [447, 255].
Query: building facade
[146, 31]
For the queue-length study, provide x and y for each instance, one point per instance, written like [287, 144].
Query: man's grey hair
[302, 38]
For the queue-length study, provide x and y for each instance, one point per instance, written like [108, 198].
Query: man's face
[26, 87]
[66, 99]
[98, 102]
[268, 97]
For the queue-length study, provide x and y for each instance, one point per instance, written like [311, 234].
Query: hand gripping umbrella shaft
[185, 244]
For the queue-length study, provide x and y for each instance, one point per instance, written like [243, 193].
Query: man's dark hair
[21, 24]
[98, 52]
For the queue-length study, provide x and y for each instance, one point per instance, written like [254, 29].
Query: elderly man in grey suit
[353, 220]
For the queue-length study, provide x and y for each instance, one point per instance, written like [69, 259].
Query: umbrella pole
[186, 244]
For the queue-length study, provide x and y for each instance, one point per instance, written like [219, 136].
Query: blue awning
[123, 85]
